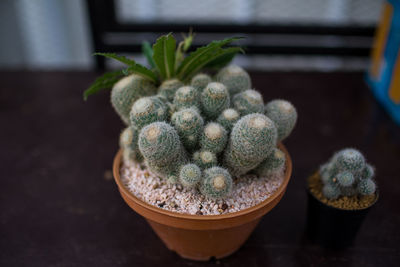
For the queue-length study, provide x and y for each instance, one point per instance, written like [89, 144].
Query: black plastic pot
[332, 227]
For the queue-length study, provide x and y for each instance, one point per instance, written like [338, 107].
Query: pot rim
[336, 208]
[176, 215]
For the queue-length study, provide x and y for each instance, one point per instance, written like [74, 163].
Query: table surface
[59, 206]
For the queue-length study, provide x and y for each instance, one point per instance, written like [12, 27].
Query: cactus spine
[217, 183]
[126, 91]
[235, 79]
[247, 102]
[284, 115]
[214, 99]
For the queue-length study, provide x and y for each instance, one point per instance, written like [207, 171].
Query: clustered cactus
[347, 174]
[210, 137]
[192, 129]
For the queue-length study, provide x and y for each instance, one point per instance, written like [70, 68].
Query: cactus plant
[214, 138]
[127, 91]
[252, 139]
[189, 124]
[235, 79]
[247, 102]
[200, 81]
[214, 99]
[186, 97]
[217, 183]
[366, 187]
[284, 114]
[168, 88]
[147, 110]
[331, 191]
[345, 179]
[228, 118]
[160, 145]
[196, 131]
[347, 174]
[190, 175]
[274, 163]
[205, 159]
[128, 141]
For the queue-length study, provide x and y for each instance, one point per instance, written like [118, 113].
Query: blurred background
[327, 35]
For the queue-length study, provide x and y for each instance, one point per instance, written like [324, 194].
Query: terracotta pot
[200, 237]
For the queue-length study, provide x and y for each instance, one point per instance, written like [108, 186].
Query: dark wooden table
[60, 207]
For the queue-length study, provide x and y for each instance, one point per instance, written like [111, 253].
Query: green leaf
[164, 56]
[201, 57]
[105, 81]
[224, 59]
[142, 71]
[119, 58]
[148, 53]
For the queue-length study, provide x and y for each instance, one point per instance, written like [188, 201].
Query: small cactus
[217, 183]
[228, 118]
[275, 162]
[214, 99]
[347, 174]
[186, 97]
[189, 124]
[247, 102]
[214, 138]
[168, 88]
[190, 175]
[200, 81]
[284, 115]
[235, 79]
[126, 91]
[147, 110]
[205, 159]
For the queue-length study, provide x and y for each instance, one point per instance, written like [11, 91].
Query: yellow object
[380, 40]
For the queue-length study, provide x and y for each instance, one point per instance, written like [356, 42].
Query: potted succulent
[201, 157]
[340, 195]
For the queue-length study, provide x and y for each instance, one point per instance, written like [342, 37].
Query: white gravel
[247, 191]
